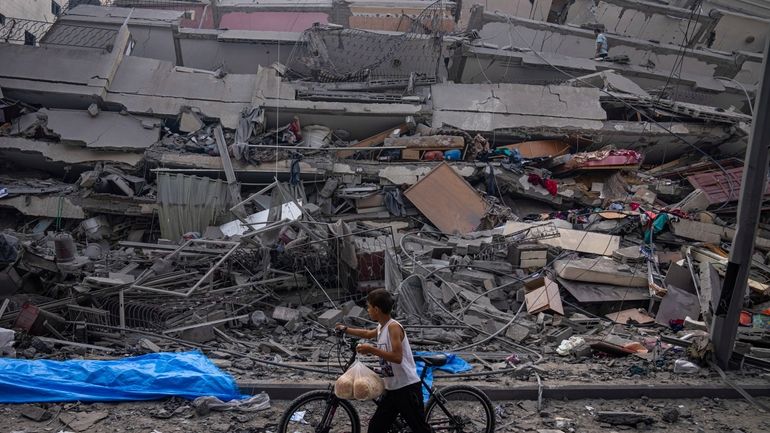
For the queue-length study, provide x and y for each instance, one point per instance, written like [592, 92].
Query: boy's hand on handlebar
[340, 329]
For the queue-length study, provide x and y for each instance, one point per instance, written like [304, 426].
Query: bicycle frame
[431, 390]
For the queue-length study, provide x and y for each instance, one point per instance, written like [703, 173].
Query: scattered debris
[148, 207]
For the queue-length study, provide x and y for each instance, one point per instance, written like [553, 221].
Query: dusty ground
[175, 415]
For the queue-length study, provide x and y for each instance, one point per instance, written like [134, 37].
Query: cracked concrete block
[356, 311]
[517, 332]
[93, 110]
[330, 318]
[284, 314]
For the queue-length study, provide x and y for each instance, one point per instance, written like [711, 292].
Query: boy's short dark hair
[381, 299]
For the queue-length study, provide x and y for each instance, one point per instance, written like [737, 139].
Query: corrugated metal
[189, 203]
[272, 21]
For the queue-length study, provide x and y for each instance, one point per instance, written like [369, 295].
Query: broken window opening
[29, 38]
[712, 37]
[55, 8]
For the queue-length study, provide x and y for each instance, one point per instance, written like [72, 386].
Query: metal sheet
[189, 203]
[447, 200]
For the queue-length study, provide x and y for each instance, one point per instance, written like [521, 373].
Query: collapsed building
[510, 190]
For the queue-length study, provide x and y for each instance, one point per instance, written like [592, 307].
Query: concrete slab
[107, 130]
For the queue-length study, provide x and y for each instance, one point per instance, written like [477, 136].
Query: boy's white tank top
[396, 376]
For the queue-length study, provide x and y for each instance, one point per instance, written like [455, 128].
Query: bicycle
[454, 409]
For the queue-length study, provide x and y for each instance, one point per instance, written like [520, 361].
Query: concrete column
[753, 183]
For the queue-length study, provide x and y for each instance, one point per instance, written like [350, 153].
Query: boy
[403, 393]
[602, 48]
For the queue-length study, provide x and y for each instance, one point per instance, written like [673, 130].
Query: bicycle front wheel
[319, 412]
[460, 409]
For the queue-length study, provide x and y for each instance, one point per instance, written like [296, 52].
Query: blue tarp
[148, 377]
[454, 364]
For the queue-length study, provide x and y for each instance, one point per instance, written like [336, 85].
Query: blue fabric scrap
[454, 365]
[148, 377]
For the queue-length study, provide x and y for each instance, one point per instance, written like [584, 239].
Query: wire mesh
[80, 36]
[31, 32]
[331, 54]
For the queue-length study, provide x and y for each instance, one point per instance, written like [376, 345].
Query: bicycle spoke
[310, 417]
[460, 411]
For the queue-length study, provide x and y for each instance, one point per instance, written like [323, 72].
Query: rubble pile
[532, 249]
[524, 225]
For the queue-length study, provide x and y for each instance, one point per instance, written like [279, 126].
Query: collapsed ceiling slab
[486, 107]
[60, 76]
[279, 100]
[106, 130]
[77, 207]
[59, 158]
[156, 87]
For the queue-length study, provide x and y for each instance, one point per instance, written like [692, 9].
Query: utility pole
[728, 308]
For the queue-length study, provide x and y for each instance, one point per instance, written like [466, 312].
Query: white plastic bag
[685, 366]
[567, 345]
[359, 382]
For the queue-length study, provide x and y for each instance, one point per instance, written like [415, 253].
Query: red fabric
[548, 184]
[634, 206]
[295, 129]
[551, 186]
[745, 318]
[433, 155]
[678, 212]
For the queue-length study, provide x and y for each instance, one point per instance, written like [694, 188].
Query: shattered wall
[635, 19]
[236, 51]
[757, 8]
[59, 76]
[151, 30]
[531, 9]
[739, 32]
[394, 16]
[153, 86]
[362, 120]
[652, 22]
[39, 10]
[480, 65]
[332, 54]
[580, 43]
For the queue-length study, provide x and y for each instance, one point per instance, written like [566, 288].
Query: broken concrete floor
[173, 415]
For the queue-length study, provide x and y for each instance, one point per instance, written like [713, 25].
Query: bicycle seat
[432, 360]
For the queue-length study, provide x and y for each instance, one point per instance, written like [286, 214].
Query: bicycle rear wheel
[319, 412]
[465, 409]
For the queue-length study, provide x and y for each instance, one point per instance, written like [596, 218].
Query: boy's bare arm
[358, 332]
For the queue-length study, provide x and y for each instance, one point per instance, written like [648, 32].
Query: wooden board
[374, 140]
[447, 200]
[544, 297]
[632, 314]
[540, 148]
